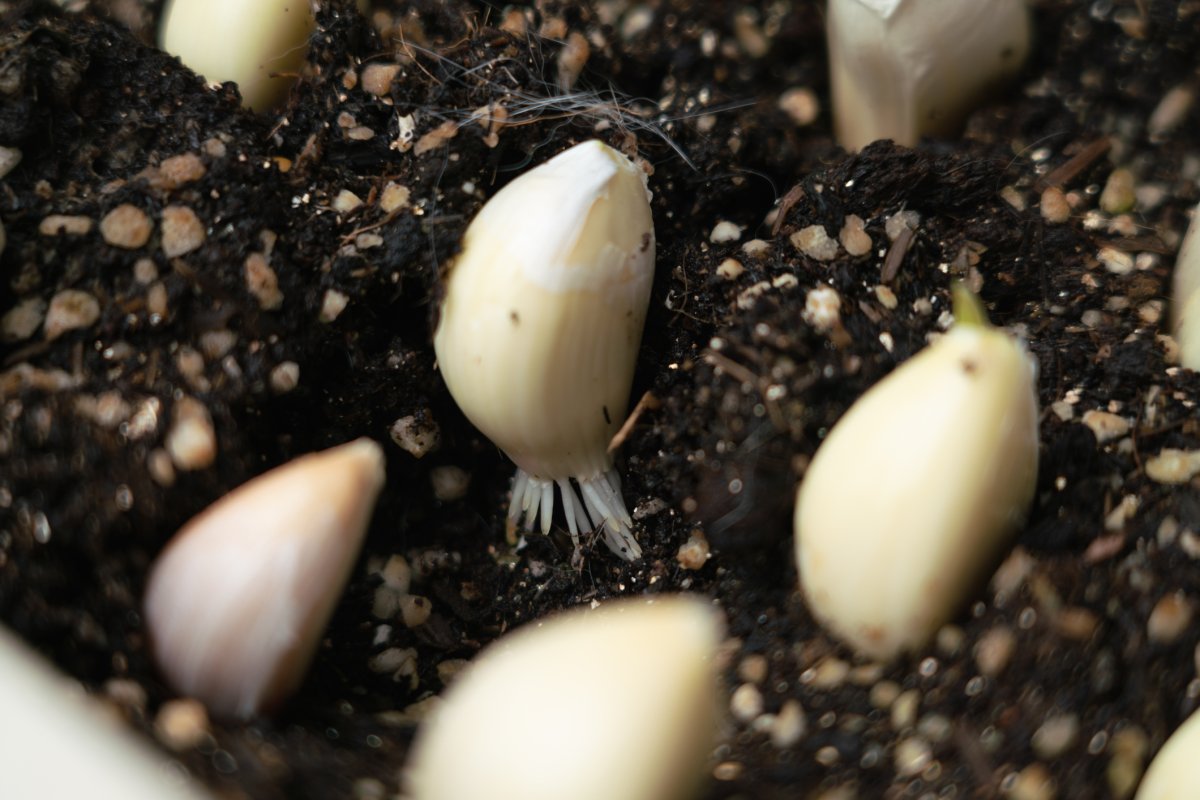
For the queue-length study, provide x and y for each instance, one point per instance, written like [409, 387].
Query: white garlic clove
[1174, 773]
[918, 489]
[620, 702]
[58, 742]
[236, 604]
[258, 45]
[539, 331]
[1185, 297]
[903, 69]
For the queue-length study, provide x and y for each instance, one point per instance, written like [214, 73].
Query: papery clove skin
[236, 604]
[56, 742]
[619, 702]
[1185, 297]
[919, 488]
[258, 44]
[539, 331]
[1174, 773]
[903, 69]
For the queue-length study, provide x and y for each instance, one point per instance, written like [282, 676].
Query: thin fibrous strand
[597, 505]
[535, 499]
[520, 484]
[590, 492]
[611, 489]
[568, 496]
[547, 506]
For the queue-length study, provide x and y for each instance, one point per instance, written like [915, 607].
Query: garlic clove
[539, 331]
[1185, 297]
[236, 603]
[1174, 773]
[259, 45]
[620, 702]
[903, 69]
[918, 489]
[58, 742]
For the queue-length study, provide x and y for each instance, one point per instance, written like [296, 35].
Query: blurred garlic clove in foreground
[919, 488]
[903, 69]
[620, 702]
[1185, 297]
[237, 602]
[1174, 774]
[259, 45]
[539, 331]
[56, 742]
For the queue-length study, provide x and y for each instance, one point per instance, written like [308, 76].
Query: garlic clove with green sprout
[539, 331]
[903, 69]
[1185, 296]
[617, 702]
[919, 488]
[236, 603]
[259, 45]
[1174, 773]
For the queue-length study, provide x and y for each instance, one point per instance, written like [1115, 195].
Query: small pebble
[182, 231]
[1055, 736]
[182, 724]
[1118, 262]
[912, 756]
[1106, 426]
[377, 78]
[262, 282]
[393, 198]
[414, 610]
[1032, 783]
[746, 702]
[450, 669]
[901, 221]
[1171, 110]
[415, 435]
[1054, 206]
[191, 441]
[725, 231]
[694, 553]
[156, 300]
[333, 303]
[822, 307]
[801, 105]
[1170, 618]
[285, 377]
[449, 483]
[815, 243]
[10, 157]
[346, 201]
[158, 464]
[22, 320]
[126, 226]
[789, 726]
[1012, 195]
[1173, 466]
[829, 673]
[58, 224]
[904, 710]
[179, 171]
[753, 668]
[854, 236]
[1128, 747]
[884, 694]
[994, 650]
[1118, 195]
[756, 248]
[145, 271]
[730, 269]
[70, 309]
